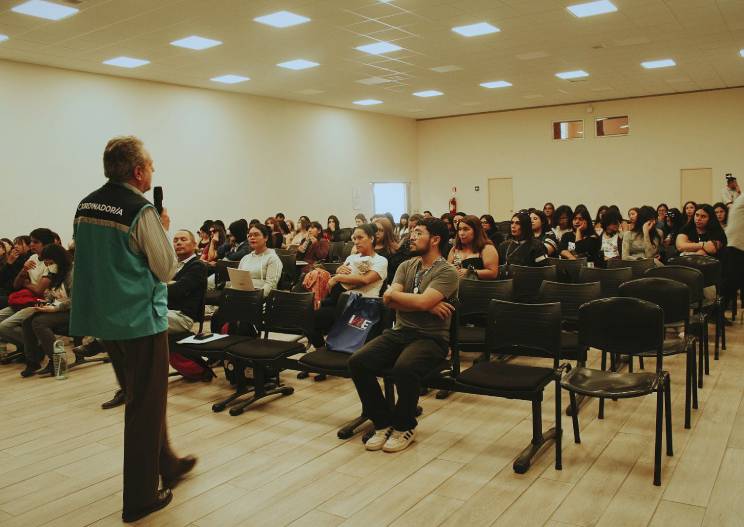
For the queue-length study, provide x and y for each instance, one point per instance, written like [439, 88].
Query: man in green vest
[122, 260]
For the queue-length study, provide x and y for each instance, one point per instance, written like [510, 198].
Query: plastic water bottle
[59, 359]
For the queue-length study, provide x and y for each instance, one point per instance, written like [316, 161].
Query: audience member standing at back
[474, 255]
[416, 345]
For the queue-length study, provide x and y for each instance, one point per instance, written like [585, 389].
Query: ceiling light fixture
[230, 79]
[44, 9]
[298, 64]
[496, 84]
[428, 93]
[378, 48]
[126, 62]
[592, 8]
[3, 38]
[196, 42]
[654, 64]
[475, 30]
[281, 19]
[576, 74]
[741, 52]
[367, 102]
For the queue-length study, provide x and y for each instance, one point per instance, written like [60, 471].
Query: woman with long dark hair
[644, 241]
[689, 209]
[473, 252]
[598, 219]
[401, 229]
[703, 235]
[549, 209]
[489, 228]
[522, 248]
[562, 221]
[541, 230]
[583, 240]
[332, 233]
[721, 211]
[387, 246]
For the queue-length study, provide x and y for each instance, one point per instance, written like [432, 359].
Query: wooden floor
[282, 464]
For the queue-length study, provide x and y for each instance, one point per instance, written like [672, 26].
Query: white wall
[667, 133]
[216, 154]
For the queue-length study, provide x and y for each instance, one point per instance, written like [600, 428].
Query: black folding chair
[474, 298]
[527, 281]
[623, 326]
[286, 313]
[290, 274]
[609, 279]
[567, 271]
[529, 330]
[335, 251]
[638, 267]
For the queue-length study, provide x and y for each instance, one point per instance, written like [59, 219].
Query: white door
[500, 198]
[696, 185]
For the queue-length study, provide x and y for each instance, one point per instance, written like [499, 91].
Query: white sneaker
[378, 439]
[399, 440]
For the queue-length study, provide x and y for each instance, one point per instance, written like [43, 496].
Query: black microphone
[158, 198]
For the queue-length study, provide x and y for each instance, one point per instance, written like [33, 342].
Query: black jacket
[186, 293]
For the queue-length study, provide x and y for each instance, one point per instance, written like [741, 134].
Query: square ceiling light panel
[575, 74]
[282, 19]
[496, 84]
[592, 8]
[428, 93]
[126, 62]
[44, 9]
[367, 102]
[298, 64]
[196, 42]
[476, 30]
[230, 79]
[654, 64]
[378, 48]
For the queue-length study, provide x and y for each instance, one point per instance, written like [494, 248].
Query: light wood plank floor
[281, 464]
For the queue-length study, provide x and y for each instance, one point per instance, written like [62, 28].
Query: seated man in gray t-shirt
[417, 343]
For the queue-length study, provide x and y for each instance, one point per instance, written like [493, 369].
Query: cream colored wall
[667, 134]
[216, 154]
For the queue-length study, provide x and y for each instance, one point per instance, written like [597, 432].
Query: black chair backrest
[331, 267]
[687, 275]
[567, 270]
[243, 309]
[709, 266]
[527, 280]
[622, 325]
[344, 234]
[671, 296]
[346, 251]
[532, 330]
[475, 295]
[638, 266]
[570, 296]
[290, 313]
[220, 271]
[289, 270]
[609, 279]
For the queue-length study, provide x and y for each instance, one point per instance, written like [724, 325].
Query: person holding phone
[644, 240]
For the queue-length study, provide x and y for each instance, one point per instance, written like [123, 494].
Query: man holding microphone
[122, 260]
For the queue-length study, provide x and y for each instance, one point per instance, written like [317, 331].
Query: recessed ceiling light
[3, 38]
[298, 64]
[282, 19]
[126, 62]
[592, 8]
[196, 42]
[741, 52]
[44, 9]
[428, 93]
[378, 48]
[653, 64]
[474, 30]
[576, 74]
[496, 84]
[230, 79]
[367, 102]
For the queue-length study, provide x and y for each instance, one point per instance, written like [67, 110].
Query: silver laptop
[240, 279]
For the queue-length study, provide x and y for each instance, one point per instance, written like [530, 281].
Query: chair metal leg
[668, 416]
[657, 441]
[524, 460]
[630, 363]
[600, 415]
[706, 357]
[688, 389]
[640, 362]
[574, 417]
[558, 428]
[701, 362]
[349, 429]
[718, 338]
[261, 390]
[721, 317]
[693, 373]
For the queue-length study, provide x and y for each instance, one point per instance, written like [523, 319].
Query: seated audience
[661, 215]
[611, 243]
[217, 239]
[583, 240]
[332, 233]
[703, 235]
[237, 245]
[522, 248]
[689, 209]
[387, 246]
[360, 219]
[549, 210]
[449, 221]
[427, 214]
[473, 255]
[721, 211]
[290, 232]
[204, 235]
[562, 221]
[262, 262]
[598, 219]
[13, 264]
[301, 232]
[489, 227]
[314, 248]
[413, 220]
[456, 218]
[417, 344]
[276, 238]
[675, 220]
[629, 224]
[54, 287]
[644, 240]
[541, 230]
[401, 228]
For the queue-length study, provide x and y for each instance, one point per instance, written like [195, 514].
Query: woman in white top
[263, 263]
[365, 270]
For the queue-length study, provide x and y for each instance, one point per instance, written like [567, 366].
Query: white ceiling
[538, 38]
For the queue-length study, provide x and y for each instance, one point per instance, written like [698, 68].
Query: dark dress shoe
[119, 399]
[30, 370]
[185, 465]
[164, 498]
